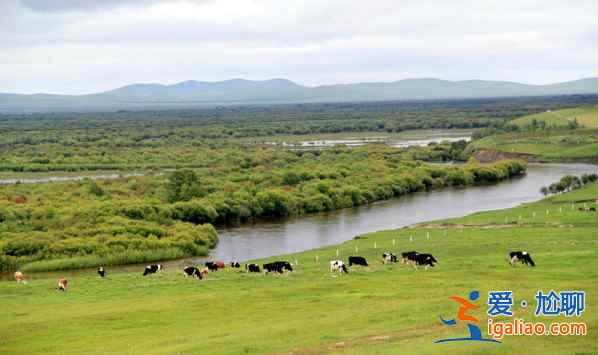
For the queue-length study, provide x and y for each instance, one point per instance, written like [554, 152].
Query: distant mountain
[240, 91]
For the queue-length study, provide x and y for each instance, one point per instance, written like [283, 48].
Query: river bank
[253, 241]
[398, 307]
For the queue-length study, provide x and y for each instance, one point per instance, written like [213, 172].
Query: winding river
[313, 231]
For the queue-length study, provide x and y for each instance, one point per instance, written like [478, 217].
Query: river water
[322, 229]
[313, 231]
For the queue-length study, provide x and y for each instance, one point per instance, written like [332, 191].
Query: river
[313, 231]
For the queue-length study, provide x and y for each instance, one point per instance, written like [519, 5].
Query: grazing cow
[235, 264]
[406, 256]
[203, 273]
[278, 266]
[62, 284]
[152, 269]
[19, 276]
[101, 271]
[389, 257]
[338, 266]
[192, 271]
[521, 256]
[252, 267]
[211, 265]
[587, 209]
[415, 259]
[214, 265]
[357, 260]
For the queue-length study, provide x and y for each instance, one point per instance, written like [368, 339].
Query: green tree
[183, 185]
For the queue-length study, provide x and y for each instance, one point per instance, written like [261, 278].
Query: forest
[171, 214]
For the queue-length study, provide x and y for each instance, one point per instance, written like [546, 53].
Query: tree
[544, 190]
[95, 189]
[183, 185]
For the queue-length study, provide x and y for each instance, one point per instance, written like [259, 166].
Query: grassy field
[557, 145]
[549, 144]
[585, 116]
[380, 309]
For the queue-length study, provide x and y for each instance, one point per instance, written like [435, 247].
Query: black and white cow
[252, 267]
[278, 266]
[101, 271]
[405, 257]
[521, 256]
[389, 257]
[587, 209]
[338, 266]
[357, 260]
[152, 269]
[192, 271]
[419, 259]
[235, 264]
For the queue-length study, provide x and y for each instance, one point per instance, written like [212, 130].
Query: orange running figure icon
[465, 306]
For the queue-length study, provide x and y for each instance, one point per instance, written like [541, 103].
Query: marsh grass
[82, 262]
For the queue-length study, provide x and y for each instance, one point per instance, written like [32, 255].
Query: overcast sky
[83, 46]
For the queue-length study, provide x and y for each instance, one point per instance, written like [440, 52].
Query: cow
[415, 259]
[152, 269]
[407, 255]
[521, 256]
[587, 209]
[235, 264]
[357, 260]
[19, 277]
[101, 271]
[214, 265]
[252, 267]
[277, 266]
[389, 257]
[192, 271]
[203, 273]
[338, 266]
[62, 284]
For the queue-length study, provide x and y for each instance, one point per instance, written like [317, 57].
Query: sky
[84, 46]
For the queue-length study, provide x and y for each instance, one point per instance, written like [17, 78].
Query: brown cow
[203, 273]
[219, 263]
[62, 284]
[19, 276]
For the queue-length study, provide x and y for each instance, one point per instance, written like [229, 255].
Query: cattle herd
[413, 258]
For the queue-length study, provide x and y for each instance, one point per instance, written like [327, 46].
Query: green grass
[81, 262]
[549, 145]
[585, 116]
[381, 309]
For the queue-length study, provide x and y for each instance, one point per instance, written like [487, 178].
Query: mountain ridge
[279, 90]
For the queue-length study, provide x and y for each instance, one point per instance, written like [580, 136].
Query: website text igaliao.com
[498, 330]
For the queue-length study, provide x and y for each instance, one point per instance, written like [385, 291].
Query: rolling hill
[240, 91]
[585, 116]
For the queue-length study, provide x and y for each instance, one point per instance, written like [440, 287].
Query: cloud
[86, 46]
[79, 5]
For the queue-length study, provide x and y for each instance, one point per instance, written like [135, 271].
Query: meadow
[586, 116]
[546, 145]
[561, 135]
[380, 309]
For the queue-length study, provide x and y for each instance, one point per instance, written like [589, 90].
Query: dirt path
[347, 344]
